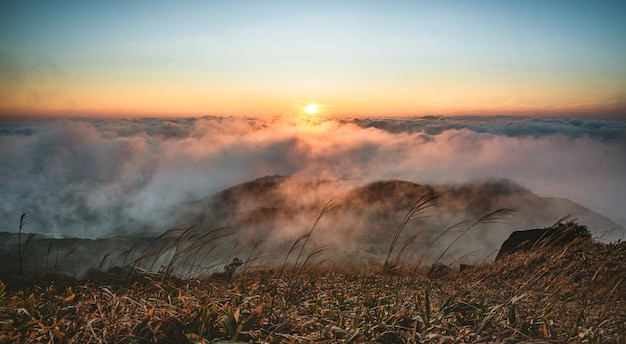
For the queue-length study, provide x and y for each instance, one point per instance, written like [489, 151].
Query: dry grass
[575, 293]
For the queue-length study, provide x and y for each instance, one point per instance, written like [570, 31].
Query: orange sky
[354, 59]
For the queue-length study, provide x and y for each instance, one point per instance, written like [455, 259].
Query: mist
[85, 177]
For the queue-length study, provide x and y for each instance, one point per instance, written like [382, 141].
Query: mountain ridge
[267, 206]
[270, 213]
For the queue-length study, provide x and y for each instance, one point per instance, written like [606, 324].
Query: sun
[311, 109]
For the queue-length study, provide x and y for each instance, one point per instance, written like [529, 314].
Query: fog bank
[86, 178]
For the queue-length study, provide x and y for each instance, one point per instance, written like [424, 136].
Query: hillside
[292, 259]
[269, 214]
[572, 294]
[277, 209]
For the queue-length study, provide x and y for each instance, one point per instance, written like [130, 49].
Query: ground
[573, 293]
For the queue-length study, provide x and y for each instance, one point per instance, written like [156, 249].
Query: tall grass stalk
[156, 254]
[312, 254]
[293, 247]
[302, 240]
[253, 256]
[177, 249]
[100, 268]
[554, 233]
[423, 203]
[23, 219]
[129, 253]
[59, 262]
[50, 244]
[442, 234]
[493, 217]
[197, 246]
[327, 208]
[401, 255]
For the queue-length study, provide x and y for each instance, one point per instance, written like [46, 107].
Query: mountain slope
[264, 217]
[278, 209]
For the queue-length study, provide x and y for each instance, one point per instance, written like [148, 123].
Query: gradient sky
[388, 58]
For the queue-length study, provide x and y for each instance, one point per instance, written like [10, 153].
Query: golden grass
[574, 293]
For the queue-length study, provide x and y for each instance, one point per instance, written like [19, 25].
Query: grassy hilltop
[573, 293]
[193, 285]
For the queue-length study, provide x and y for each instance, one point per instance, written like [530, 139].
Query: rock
[558, 235]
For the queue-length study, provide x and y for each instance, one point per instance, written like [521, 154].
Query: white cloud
[81, 177]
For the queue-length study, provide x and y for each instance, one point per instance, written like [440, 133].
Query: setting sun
[311, 109]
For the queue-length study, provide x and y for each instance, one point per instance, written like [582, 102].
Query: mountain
[276, 210]
[263, 218]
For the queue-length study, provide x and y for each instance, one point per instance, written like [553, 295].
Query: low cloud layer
[85, 178]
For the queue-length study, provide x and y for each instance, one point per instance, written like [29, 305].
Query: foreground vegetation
[574, 293]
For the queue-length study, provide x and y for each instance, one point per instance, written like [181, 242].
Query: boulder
[557, 235]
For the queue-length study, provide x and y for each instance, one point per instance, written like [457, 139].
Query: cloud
[87, 177]
[604, 130]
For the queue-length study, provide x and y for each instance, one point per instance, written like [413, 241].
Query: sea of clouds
[86, 177]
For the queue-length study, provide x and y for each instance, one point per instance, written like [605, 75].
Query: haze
[87, 177]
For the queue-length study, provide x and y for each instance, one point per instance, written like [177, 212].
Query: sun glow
[311, 109]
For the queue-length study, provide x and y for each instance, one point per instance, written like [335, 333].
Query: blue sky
[274, 57]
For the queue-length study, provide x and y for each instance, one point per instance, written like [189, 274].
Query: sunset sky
[371, 58]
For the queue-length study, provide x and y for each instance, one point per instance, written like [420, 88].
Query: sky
[274, 58]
